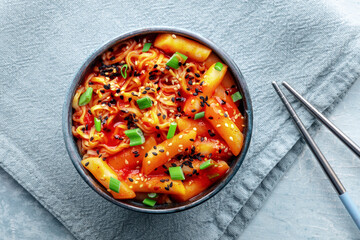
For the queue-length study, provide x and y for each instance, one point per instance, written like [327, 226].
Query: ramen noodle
[157, 119]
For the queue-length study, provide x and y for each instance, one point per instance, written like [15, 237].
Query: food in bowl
[157, 119]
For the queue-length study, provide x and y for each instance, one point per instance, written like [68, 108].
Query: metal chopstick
[345, 139]
[343, 195]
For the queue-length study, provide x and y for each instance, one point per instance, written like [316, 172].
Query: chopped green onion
[149, 202]
[176, 173]
[182, 56]
[219, 66]
[144, 102]
[213, 176]
[146, 47]
[236, 96]
[152, 195]
[136, 136]
[174, 60]
[124, 72]
[206, 164]
[199, 115]
[86, 96]
[114, 184]
[97, 124]
[172, 130]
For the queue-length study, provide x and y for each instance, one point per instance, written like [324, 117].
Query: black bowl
[75, 156]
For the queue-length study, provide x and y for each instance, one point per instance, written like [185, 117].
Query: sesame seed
[219, 125]
[180, 137]
[167, 153]
[226, 125]
[126, 162]
[231, 138]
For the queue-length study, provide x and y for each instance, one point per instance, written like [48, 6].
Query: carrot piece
[212, 79]
[167, 149]
[229, 107]
[156, 184]
[224, 126]
[127, 158]
[190, 48]
[207, 177]
[201, 125]
[102, 172]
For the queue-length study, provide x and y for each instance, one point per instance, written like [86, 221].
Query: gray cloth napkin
[44, 43]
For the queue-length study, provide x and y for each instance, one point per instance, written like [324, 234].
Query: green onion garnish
[149, 202]
[176, 173]
[144, 102]
[174, 60]
[86, 96]
[182, 56]
[206, 164]
[152, 195]
[136, 136]
[236, 96]
[146, 47]
[213, 176]
[219, 66]
[97, 124]
[123, 72]
[172, 130]
[114, 184]
[199, 115]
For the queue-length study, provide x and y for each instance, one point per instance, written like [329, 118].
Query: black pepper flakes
[86, 164]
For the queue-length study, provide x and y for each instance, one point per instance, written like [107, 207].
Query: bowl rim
[72, 147]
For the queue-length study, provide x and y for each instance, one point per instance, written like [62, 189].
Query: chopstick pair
[343, 195]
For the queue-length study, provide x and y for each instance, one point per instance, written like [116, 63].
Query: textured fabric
[43, 44]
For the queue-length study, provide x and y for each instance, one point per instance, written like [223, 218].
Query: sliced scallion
[213, 176]
[149, 202]
[218, 66]
[175, 59]
[199, 115]
[97, 123]
[136, 137]
[236, 96]
[124, 72]
[172, 130]
[152, 195]
[146, 47]
[114, 184]
[144, 102]
[176, 173]
[86, 96]
[182, 56]
[206, 164]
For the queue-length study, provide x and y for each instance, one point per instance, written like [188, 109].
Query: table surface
[302, 206]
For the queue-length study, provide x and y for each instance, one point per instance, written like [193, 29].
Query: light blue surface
[45, 43]
[351, 208]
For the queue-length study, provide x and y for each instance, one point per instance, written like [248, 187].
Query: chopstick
[345, 139]
[343, 195]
